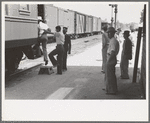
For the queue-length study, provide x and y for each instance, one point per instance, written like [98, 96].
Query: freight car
[21, 32]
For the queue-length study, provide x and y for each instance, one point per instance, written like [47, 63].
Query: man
[67, 48]
[119, 38]
[126, 55]
[113, 49]
[58, 51]
[117, 35]
[105, 43]
[43, 29]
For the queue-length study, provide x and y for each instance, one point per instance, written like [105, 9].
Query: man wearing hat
[59, 50]
[43, 30]
[113, 49]
[67, 48]
[126, 55]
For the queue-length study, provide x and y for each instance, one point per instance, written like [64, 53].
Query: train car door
[41, 11]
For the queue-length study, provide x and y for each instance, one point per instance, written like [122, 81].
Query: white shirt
[113, 46]
[59, 37]
[42, 26]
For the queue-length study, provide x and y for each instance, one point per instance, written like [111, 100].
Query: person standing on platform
[67, 48]
[105, 43]
[126, 56]
[113, 49]
[58, 51]
[119, 37]
[43, 30]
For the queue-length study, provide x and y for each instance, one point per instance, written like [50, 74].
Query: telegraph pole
[112, 14]
[113, 5]
[115, 14]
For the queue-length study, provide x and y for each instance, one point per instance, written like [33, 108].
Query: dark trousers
[59, 62]
[65, 59]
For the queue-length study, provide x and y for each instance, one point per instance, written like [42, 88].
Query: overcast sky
[127, 12]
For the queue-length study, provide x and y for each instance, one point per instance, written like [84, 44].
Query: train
[21, 32]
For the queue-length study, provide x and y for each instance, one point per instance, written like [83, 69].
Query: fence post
[137, 55]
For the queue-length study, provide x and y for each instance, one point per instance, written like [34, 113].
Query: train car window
[24, 9]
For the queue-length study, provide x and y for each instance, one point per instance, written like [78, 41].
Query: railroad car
[20, 33]
[89, 25]
[80, 24]
[99, 25]
[96, 25]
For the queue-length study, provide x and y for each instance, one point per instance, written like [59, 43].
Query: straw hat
[111, 29]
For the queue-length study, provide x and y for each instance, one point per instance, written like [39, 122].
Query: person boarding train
[43, 30]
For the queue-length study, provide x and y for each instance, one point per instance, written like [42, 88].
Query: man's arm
[112, 55]
[48, 31]
[69, 44]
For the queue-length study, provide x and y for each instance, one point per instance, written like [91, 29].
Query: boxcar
[80, 24]
[20, 33]
[89, 25]
[99, 25]
[71, 26]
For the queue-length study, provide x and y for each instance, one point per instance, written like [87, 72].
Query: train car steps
[46, 70]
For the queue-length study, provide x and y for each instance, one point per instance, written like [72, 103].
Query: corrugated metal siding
[80, 23]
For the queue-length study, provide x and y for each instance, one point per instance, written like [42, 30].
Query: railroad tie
[46, 70]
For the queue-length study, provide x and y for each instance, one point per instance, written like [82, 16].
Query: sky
[127, 11]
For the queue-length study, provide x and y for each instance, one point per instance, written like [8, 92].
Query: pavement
[82, 80]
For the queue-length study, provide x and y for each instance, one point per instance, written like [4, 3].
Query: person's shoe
[64, 69]
[59, 73]
[46, 62]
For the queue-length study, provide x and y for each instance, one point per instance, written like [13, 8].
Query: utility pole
[113, 5]
[111, 14]
[116, 14]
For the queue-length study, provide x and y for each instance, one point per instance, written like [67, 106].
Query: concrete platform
[82, 80]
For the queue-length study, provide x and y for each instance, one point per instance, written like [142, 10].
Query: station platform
[82, 80]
